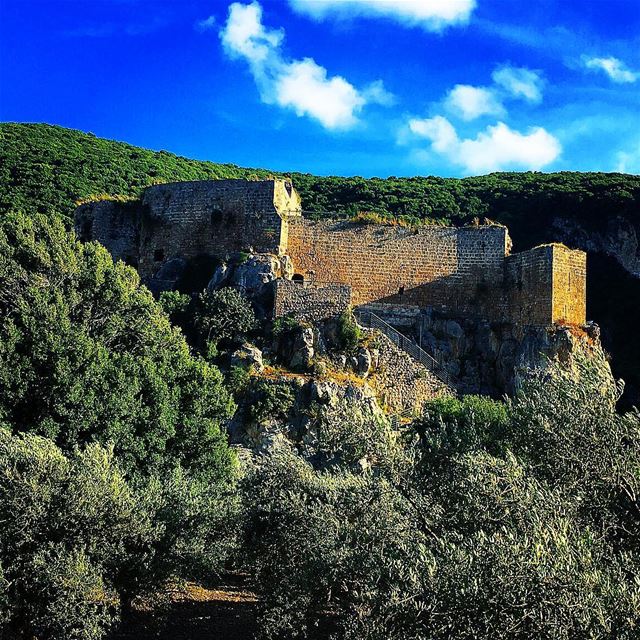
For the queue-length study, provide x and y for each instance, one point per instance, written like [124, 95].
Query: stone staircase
[370, 320]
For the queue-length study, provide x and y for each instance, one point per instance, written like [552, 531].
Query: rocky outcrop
[253, 275]
[491, 358]
[248, 356]
[620, 239]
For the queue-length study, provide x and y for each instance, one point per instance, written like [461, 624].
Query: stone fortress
[459, 292]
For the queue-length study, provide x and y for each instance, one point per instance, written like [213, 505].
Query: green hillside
[46, 169]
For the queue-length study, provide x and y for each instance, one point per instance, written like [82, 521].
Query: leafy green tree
[79, 542]
[224, 315]
[87, 355]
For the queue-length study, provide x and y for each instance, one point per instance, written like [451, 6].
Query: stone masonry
[464, 272]
[310, 303]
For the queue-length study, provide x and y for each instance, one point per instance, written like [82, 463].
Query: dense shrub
[79, 542]
[86, 355]
[269, 399]
[476, 532]
[224, 315]
[450, 425]
[349, 333]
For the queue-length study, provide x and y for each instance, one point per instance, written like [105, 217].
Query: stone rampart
[454, 269]
[464, 272]
[310, 303]
[192, 219]
[569, 285]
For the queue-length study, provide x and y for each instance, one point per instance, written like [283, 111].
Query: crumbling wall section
[114, 224]
[310, 303]
[454, 269]
[218, 217]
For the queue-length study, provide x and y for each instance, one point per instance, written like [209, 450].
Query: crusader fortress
[459, 292]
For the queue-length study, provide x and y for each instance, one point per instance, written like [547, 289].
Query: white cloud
[377, 93]
[629, 161]
[205, 24]
[244, 36]
[433, 15]
[304, 86]
[472, 102]
[519, 82]
[301, 85]
[616, 69]
[497, 148]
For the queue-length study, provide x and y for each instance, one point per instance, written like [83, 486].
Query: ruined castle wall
[310, 303]
[569, 285]
[116, 225]
[456, 269]
[529, 286]
[546, 285]
[189, 219]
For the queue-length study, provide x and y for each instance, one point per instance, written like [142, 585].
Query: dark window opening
[217, 216]
[401, 291]
[158, 255]
[298, 277]
[87, 228]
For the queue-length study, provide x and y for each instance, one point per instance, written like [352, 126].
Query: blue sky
[348, 87]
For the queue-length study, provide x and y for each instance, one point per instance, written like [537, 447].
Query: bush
[285, 325]
[269, 399]
[349, 332]
[224, 315]
[174, 304]
[450, 425]
[79, 542]
[472, 533]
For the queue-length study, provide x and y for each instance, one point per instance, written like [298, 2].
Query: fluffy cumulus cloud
[300, 85]
[433, 15]
[613, 67]
[497, 148]
[509, 83]
[472, 102]
[519, 82]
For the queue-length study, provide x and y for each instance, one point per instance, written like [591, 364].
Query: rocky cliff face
[613, 287]
[492, 358]
[620, 239]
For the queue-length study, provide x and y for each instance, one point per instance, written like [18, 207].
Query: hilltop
[48, 169]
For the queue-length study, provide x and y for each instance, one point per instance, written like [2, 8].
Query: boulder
[303, 350]
[168, 275]
[219, 278]
[452, 329]
[247, 356]
[364, 361]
